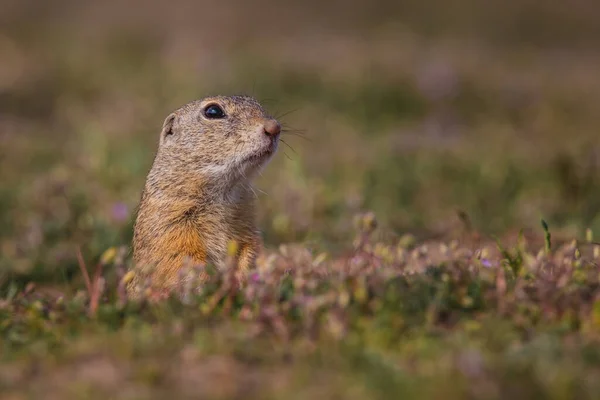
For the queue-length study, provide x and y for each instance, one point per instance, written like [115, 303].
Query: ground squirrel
[197, 197]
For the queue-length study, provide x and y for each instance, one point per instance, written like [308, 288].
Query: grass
[405, 253]
[419, 320]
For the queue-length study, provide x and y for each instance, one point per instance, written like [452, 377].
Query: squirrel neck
[177, 191]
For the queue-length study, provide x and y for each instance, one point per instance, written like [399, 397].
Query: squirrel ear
[167, 129]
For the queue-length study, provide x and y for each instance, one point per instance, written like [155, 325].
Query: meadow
[431, 222]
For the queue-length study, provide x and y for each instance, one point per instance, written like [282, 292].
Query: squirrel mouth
[263, 154]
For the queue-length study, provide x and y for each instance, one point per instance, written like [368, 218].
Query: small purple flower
[486, 263]
[255, 277]
[438, 80]
[120, 211]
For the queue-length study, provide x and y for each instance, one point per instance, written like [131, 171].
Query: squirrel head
[222, 139]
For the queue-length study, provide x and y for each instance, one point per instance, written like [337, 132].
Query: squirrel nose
[272, 127]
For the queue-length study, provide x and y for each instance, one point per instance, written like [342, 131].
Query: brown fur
[197, 196]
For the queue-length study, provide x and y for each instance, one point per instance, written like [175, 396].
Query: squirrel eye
[213, 112]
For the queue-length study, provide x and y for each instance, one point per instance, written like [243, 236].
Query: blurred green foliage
[454, 123]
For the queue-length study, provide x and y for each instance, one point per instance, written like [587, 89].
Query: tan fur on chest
[168, 237]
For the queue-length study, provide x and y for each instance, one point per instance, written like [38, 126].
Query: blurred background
[436, 117]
